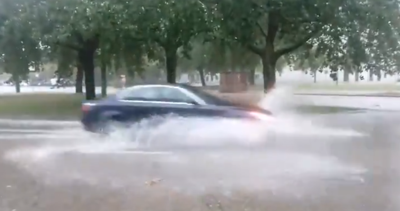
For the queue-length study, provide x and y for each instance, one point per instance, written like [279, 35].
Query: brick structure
[233, 82]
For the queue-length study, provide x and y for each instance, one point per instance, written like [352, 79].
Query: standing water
[198, 154]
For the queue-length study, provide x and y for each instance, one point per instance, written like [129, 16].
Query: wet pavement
[56, 166]
[342, 161]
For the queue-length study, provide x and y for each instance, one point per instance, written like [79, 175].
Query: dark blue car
[140, 102]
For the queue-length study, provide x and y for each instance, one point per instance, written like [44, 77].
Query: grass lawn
[67, 106]
[349, 87]
[43, 106]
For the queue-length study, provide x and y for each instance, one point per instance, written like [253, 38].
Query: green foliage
[213, 35]
[364, 32]
[18, 50]
[216, 56]
[173, 23]
[72, 23]
[309, 61]
[66, 61]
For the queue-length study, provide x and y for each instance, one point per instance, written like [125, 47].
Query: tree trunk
[202, 78]
[79, 79]
[371, 75]
[357, 76]
[17, 83]
[142, 75]
[269, 73]
[171, 62]
[346, 76]
[86, 58]
[130, 76]
[315, 76]
[251, 76]
[103, 79]
[379, 75]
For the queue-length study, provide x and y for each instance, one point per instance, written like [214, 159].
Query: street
[199, 105]
[342, 161]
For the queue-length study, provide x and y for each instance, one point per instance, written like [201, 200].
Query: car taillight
[86, 107]
[261, 116]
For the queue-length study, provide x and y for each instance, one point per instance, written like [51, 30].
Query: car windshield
[208, 98]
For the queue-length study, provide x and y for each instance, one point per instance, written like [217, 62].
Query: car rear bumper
[87, 125]
[88, 128]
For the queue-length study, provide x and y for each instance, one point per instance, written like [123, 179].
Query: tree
[172, 24]
[135, 57]
[19, 52]
[311, 62]
[198, 59]
[77, 25]
[67, 61]
[274, 28]
[216, 56]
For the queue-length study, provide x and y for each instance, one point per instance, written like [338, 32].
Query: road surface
[328, 162]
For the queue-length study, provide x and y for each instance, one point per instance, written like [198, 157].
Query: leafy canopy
[366, 31]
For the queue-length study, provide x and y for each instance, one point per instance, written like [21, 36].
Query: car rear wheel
[106, 126]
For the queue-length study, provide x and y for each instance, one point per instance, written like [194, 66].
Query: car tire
[105, 126]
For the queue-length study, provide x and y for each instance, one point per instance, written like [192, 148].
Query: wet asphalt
[56, 166]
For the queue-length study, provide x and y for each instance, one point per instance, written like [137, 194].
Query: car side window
[146, 93]
[156, 94]
[174, 95]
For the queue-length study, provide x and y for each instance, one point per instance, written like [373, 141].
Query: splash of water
[193, 151]
[282, 102]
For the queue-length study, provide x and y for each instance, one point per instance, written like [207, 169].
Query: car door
[138, 103]
[172, 101]
[185, 104]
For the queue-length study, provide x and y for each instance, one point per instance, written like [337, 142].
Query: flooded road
[342, 173]
[343, 161]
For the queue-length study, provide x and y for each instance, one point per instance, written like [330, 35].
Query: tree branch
[95, 41]
[297, 44]
[68, 45]
[255, 49]
[78, 36]
[273, 27]
[263, 32]
[160, 42]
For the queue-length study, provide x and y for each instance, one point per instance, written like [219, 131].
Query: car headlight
[261, 116]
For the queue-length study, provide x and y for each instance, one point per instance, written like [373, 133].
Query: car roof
[215, 100]
[209, 99]
[179, 85]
